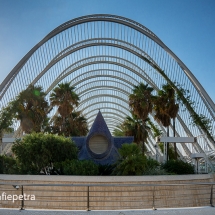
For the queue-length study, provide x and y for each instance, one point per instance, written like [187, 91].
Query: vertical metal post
[197, 166]
[164, 152]
[153, 200]
[211, 197]
[22, 206]
[88, 198]
[156, 149]
[206, 166]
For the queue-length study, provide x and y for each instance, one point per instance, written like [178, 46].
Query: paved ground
[172, 211]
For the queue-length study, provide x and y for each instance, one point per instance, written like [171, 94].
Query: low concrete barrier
[106, 192]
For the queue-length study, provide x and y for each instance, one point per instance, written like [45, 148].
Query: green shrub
[153, 167]
[131, 162]
[8, 165]
[178, 167]
[156, 171]
[79, 167]
[38, 151]
[151, 164]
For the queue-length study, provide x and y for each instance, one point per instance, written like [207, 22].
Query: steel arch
[122, 44]
[106, 102]
[154, 86]
[117, 19]
[142, 55]
[93, 60]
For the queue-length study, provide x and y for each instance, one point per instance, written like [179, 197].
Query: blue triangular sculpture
[100, 128]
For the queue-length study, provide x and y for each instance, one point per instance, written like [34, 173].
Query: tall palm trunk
[175, 150]
[144, 130]
[167, 153]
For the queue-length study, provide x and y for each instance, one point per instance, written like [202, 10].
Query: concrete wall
[108, 192]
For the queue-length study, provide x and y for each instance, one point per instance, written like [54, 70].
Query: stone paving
[172, 211]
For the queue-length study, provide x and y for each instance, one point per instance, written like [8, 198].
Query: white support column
[156, 152]
[164, 152]
[197, 157]
[206, 166]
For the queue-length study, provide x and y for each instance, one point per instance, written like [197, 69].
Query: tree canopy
[140, 102]
[37, 151]
[30, 107]
[65, 99]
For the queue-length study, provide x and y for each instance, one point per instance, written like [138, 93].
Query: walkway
[171, 211]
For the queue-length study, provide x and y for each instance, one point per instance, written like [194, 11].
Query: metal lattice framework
[105, 56]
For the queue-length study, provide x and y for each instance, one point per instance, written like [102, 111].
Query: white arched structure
[104, 56]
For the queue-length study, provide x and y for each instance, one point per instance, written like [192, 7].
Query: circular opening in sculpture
[98, 144]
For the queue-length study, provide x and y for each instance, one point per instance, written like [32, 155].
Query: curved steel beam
[181, 67]
[160, 126]
[183, 126]
[106, 102]
[103, 95]
[94, 60]
[111, 128]
[141, 54]
[86, 104]
[109, 18]
[95, 89]
[112, 113]
[104, 87]
[157, 89]
[187, 151]
[105, 118]
[64, 26]
[112, 70]
[112, 76]
[106, 113]
[111, 121]
[147, 58]
[108, 42]
[108, 120]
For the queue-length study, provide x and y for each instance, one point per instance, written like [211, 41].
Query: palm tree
[154, 128]
[75, 125]
[80, 126]
[173, 108]
[132, 126]
[140, 102]
[165, 109]
[56, 124]
[64, 97]
[30, 107]
[131, 162]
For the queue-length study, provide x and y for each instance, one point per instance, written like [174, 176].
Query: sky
[187, 27]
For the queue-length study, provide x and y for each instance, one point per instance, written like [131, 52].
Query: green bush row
[39, 153]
